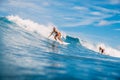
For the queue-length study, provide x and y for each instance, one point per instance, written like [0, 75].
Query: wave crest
[95, 47]
[45, 31]
[30, 25]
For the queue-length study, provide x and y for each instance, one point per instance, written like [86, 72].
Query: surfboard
[62, 43]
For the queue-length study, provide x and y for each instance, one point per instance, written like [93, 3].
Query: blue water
[30, 56]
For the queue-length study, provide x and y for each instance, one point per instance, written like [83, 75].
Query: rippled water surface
[29, 56]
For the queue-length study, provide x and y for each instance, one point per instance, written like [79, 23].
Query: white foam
[31, 26]
[95, 47]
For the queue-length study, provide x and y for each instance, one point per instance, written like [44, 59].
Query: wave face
[26, 51]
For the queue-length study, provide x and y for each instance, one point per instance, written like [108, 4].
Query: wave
[31, 26]
[95, 47]
[72, 40]
[45, 30]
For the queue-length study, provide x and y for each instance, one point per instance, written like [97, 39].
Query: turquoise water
[28, 55]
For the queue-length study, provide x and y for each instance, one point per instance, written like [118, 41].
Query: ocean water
[27, 54]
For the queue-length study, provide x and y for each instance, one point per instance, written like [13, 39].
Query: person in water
[101, 50]
[57, 35]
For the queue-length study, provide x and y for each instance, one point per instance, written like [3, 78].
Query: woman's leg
[59, 37]
[55, 37]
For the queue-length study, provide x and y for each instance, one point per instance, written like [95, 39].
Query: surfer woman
[57, 34]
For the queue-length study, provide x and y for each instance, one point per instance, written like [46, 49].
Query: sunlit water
[30, 56]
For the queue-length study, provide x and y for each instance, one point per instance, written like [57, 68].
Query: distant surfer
[57, 34]
[101, 50]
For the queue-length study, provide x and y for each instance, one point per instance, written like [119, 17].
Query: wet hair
[54, 28]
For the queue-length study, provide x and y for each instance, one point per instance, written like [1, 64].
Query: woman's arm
[51, 34]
